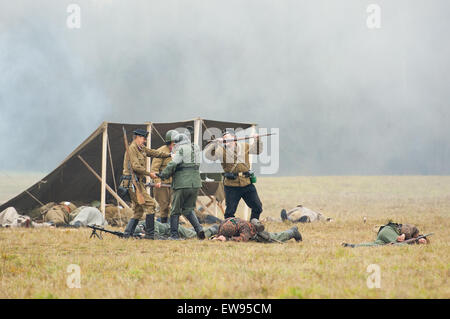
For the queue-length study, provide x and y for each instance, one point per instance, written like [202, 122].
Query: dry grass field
[34, 263]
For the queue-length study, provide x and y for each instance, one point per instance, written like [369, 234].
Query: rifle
[235, 139]
[412, 239]
[154, 185]
[140, 198]
[101, 229]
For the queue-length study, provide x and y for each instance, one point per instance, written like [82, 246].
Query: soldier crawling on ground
[393, 233]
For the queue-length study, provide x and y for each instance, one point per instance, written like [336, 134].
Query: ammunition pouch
[248, 174]
[230, 175]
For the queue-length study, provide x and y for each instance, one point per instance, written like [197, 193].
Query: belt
[181, 168]
[128, 178]
[241, 174]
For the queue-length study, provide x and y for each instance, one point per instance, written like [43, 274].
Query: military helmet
[181, 138]
[228, 228]
[170, 136]
[409, 230]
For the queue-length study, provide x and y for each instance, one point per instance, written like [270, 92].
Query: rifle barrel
[240, 138]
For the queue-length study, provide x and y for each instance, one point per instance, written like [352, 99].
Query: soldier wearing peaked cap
[138, 154]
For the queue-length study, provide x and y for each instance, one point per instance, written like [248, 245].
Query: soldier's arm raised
[255, 146]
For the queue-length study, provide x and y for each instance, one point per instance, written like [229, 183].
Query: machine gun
[101, 229]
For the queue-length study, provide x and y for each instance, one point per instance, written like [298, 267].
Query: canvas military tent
[103, 150]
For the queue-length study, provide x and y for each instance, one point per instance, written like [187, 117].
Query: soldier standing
[138, 154]
[186, 181]
[236, 165]
[162, 194]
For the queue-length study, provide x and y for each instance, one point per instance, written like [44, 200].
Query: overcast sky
[347, 99]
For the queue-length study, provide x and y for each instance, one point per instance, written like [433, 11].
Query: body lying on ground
[67, 214]
[301, 214]
[240, 230]
[162, 230]
[393, 233]
[86, 215]
[10, 218]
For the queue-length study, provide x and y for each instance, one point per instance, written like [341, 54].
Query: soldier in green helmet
[186, 181]
[162, 194]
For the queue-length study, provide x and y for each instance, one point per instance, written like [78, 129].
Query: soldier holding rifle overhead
[238, 178]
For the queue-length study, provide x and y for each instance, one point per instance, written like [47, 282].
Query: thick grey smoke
[347, 99]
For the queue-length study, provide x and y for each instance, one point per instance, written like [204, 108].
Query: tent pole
[103, 187]
[250, 159]
[149, 145]
[197, 131]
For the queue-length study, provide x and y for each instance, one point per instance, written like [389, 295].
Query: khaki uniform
[138, 159]
[298, 212]
[162, 195]
[117, 216]
[59, 214]
[236, 161]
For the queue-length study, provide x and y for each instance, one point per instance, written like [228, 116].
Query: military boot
[296, 234]
[174, 221]
[254, 215]
[283, 215]
[192, 218]
[131, 226]
[149, 226]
